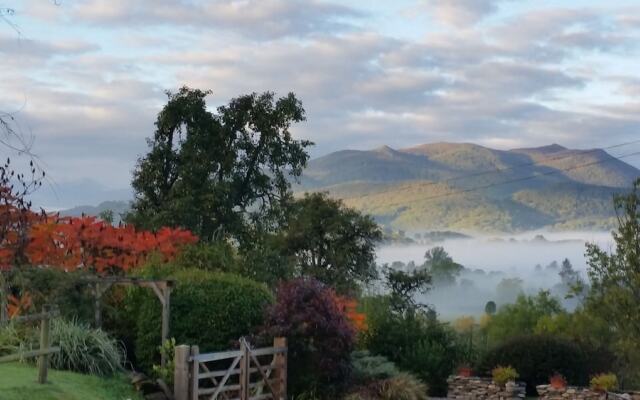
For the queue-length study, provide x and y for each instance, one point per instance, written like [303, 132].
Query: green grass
[18, 382]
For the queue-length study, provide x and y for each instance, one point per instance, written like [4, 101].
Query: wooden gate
[244, 374]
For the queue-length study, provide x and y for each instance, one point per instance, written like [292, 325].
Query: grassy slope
[17, 382]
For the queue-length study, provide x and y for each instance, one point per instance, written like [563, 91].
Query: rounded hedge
[538, 357]
[208, 309]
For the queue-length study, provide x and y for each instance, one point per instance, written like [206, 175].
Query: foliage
[85, 350]
[320, 337]
[68, 291]
[166, 372]
[522, 317]
[537, 357]
[331, 243]
[441, 267]
[604, 382]
[17, 383]
[615, 280]
[399, 387]
[368, 367]
[502, 375]
[208, 171]
[403, 287]
[490, 308]
[557, 381]
[16, 216]
[414, 341]
[509, 289]
[87, 242]
[210, 309]
[10, 339]
[403, 387]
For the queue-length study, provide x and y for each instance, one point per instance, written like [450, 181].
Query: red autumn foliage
[78, 242]
[349, 307]
[557, 381]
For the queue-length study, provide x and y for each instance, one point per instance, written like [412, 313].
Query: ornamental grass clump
[84, 349]
[502, 375]
[604, 382]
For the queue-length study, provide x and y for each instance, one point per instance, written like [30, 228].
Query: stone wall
[474, 388]
[546, 392]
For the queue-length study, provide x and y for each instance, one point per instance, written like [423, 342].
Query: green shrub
[604, 382]
[502, 375]
[415, 342]
[83, 349]
[367, 367]
[10, 339]
[537, 357]
[208, 309]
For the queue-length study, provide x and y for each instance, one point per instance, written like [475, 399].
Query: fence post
[4, 293]
[245, 372]
[43, 360]
[195, 370]
[280, 370]
[181, 372]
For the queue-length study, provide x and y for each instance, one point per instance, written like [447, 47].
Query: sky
[86, 78]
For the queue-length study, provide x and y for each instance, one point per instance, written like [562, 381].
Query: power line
[500, 170]
[556, 171]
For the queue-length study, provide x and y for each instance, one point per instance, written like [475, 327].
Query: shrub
[83, 349]
[367, 367]
[557, 381]
[320, 337]
[537, 357]
[209, 309]
[502, 375]
[400, 387]
[403, 387]
[604, 382]
[10, 339]
[414, 342]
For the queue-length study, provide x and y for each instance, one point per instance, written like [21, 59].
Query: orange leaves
[18, 305]
[350, 308]
[87, 242]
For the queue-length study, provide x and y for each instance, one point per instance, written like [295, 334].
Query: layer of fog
[488, 261]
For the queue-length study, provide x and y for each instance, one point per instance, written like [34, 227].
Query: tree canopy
[331, 242]
[213, 172]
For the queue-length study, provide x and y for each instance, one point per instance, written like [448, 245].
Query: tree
[403, 287]
[509, 289]
[568, 275]
[320, 337]
[490, 308]
[212, 172]
[615, 280]
[442, 267]
[330, 242]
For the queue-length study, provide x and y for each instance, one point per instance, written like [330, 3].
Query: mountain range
[471, 188]
[463, 187]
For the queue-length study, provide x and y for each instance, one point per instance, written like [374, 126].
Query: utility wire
[556, 171]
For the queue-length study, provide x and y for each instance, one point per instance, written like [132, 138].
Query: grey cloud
[461, 13]
[258, 19]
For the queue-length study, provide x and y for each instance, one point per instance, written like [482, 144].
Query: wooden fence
[44, 346]
[244, 374]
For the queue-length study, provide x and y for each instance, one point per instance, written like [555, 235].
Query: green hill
[473, 188]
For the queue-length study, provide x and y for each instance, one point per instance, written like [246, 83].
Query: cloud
[461, 13]
[256, 19]
[530, 78]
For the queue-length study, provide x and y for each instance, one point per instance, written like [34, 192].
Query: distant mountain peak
[548, 149]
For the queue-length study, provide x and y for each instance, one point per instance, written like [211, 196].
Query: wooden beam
[28, 354]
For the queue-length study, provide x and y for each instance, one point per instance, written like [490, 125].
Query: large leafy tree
[331, 242]
[213, 172]
[441, 266]
[615, 280]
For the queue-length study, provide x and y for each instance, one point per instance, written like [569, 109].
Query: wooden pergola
[161, 287]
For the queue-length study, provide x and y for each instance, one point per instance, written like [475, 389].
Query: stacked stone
[546, 392]
[474, 388]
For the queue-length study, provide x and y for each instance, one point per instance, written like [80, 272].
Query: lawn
[18, 382]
